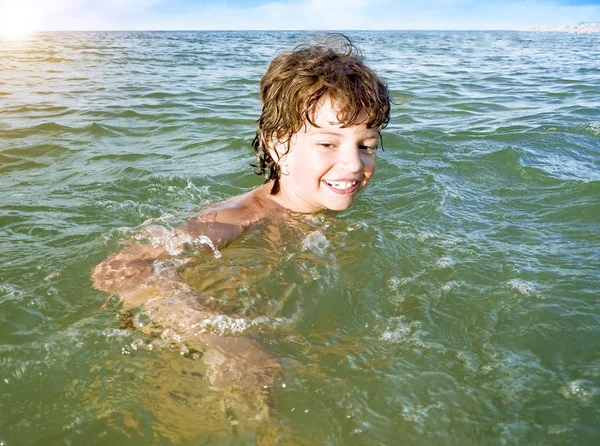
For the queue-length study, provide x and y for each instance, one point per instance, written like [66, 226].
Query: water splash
[203, 240]
[164, 238]
[520, 286]
[316, 242]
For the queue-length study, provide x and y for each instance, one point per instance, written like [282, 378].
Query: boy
[316, 145]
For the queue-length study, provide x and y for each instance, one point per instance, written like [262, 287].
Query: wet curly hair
[297, 81]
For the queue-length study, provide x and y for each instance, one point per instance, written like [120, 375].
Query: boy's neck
[293, 202]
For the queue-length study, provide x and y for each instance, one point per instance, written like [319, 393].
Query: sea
[456, 303]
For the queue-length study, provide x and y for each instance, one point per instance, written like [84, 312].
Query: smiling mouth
[342, 187]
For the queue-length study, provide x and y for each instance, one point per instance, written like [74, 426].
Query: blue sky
[294, 14]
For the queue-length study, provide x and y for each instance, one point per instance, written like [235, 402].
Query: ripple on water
[567, 167]
[10, 292]
[444, 262]
[582, 391]
[399, 330]
[520, 286]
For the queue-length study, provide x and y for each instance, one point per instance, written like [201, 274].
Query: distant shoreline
[583, 28]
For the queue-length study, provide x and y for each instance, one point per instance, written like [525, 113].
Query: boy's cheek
[369, 165]
[369, 172]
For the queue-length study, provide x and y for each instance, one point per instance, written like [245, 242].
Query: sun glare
[17, 21]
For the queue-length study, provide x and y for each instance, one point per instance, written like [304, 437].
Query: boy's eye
[325, 145]
[368, 149]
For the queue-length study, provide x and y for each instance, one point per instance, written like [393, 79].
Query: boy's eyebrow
[320, 131]
[324, 132]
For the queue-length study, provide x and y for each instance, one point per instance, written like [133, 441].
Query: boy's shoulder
[228, 219]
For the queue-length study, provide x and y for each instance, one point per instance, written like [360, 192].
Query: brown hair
[296, 82]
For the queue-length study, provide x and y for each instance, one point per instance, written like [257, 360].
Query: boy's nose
[351, 160]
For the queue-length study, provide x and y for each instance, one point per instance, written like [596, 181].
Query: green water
[455, 303]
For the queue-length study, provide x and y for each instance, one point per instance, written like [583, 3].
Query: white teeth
[341, 184]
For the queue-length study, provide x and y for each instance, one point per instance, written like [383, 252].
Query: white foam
[161, 237]
[316, 242]
[112, 332]
[520, 286]
[417, 414]
[203, 240]
[223, 325]
[51, 276]
[398, 331]
[581, 390]
[450, 285]
[444, 262]
[594, 127]
[426, 236]
[166, 268]
[11, 292]
[395, 336]
[395, 284]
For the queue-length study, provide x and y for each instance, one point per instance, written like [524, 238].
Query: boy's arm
[147, 274]
[138, 272]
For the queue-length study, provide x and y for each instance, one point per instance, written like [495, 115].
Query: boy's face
[327, 166]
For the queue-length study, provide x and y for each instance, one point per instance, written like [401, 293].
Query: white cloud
[72, 14]
[386, 14]
[305, 14]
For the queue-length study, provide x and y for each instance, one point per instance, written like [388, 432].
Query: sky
[24, 16]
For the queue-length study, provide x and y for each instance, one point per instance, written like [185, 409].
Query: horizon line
[295, 30]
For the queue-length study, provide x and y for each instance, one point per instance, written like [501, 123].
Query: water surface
[455, 303]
